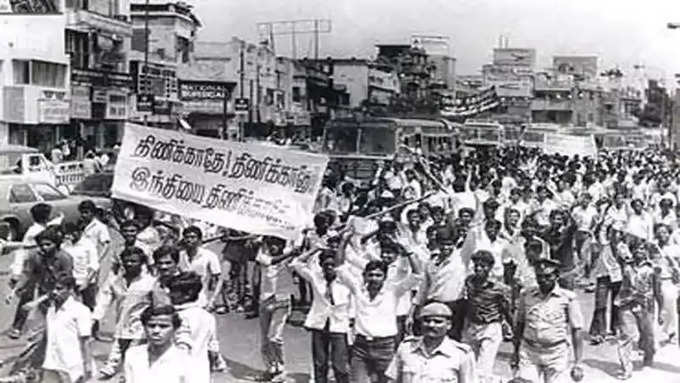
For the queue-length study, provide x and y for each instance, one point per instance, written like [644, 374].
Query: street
[239, 340]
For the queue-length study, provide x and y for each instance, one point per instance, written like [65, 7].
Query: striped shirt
[487, 302]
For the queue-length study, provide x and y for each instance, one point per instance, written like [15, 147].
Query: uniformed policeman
[546, 316]
[433, 357]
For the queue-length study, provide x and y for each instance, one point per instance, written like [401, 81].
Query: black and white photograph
[348, 191]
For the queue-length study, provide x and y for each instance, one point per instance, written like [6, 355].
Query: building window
[78, 47]
[296, 94]
[48, 74]
[138, 40]
[183, 48]
[22, 72]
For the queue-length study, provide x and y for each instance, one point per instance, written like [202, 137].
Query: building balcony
[84, 20]
[32, 104]
[557, 105]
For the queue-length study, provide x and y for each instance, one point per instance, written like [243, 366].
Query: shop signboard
[163, 107]
[81, 105]
[100, 78]
[145, 102]
[116, 107]
[241, 105]
[203, 90]
[99, 96]
[53, 111]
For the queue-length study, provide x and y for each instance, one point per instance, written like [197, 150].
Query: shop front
[99, 107]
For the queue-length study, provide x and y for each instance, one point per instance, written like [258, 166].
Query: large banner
[470, 105]
[250, 187]
[570, 145]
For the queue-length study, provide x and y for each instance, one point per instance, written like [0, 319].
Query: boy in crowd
[328, 318]
[376, 302]
[205, 263]
[487, 305]
[68, 356]
[197, 324]
[85, 262]
[159, 360]
[640, 288]
[276, 287]
[93, 228]
[131, 292]
[166, 259]
[40, 213]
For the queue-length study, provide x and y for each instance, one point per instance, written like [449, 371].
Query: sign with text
[145, 102]
[249, 187]
[241, 105]
[570, 145]
[203, 90]
[53, 111]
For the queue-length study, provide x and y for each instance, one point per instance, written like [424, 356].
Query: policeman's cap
[435, 309]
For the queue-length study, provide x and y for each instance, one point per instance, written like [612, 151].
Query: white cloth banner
[249, 187]
[570, 145]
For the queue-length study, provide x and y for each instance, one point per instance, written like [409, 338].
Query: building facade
[34, 77]
[98, 40]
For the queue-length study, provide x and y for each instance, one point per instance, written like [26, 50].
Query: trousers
[273, 316]
[485, 339]
[544, 364]
[371, 358]
[637, 323]
[327, 345]
[605, 294]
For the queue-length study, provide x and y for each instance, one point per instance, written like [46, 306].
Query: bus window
[377, 141]
[341, 140]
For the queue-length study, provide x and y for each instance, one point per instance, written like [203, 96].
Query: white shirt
[171, 367]
[65, 327]
[206, 264]
[20, 254]
[322, 310]
[276, 280]
[201, 328]
[640, 225]
[584, 217]
[98, 233]
[376, 318]
[84, 255]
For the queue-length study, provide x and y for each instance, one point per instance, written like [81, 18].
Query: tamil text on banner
[570, 145]
[250, 187]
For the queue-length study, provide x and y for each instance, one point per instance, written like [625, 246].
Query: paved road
[239, 339]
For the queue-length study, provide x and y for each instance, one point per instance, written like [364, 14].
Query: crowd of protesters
[418, 274]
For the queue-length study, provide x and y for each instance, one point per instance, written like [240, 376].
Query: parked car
[18, 195]
[99, 185]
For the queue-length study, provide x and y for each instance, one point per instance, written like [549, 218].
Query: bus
[357, 145]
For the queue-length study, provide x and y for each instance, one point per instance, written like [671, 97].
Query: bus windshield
[341, 140]
[374, 140]
[377, 141]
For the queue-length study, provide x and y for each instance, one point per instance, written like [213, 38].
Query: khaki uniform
[451, 362]
[545, 353]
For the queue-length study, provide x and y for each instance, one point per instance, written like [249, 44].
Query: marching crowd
[418, 275]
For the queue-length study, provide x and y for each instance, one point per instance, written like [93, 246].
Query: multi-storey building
[34, 74]
[172, 28]
[98, 39]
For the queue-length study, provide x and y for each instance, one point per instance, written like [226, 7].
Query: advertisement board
[81, 105]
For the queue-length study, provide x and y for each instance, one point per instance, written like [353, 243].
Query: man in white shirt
[159, 360]
[376, 314]
[94, 229]
[203, 262]
[276, 287]
[67, 353]
[85, 262]
[328, 318]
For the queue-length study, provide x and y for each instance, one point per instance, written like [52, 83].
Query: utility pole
[146, 53]
[242, 76]
[268, 31]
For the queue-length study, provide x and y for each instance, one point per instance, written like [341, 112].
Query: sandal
[221, 310]
[624, 375]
